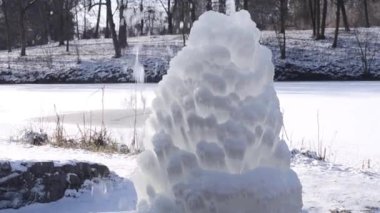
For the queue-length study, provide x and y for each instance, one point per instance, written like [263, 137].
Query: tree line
[33, 22]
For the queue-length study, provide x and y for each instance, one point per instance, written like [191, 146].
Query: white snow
[213, 138]
[348, 115]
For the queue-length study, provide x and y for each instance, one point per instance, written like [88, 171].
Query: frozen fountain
[213, 137]
[138, 68]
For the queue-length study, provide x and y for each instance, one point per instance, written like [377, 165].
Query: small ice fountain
[138, 68]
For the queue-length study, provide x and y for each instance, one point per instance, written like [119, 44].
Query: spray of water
[138, 68]
[231, 7]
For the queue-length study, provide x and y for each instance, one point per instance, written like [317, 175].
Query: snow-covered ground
[309, 59]
[349, 121]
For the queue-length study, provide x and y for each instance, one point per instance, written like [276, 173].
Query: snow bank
[214, 143]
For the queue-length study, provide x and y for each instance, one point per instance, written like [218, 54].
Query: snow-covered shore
[307, 59]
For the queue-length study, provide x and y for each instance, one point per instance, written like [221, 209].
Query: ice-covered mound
[214, 141]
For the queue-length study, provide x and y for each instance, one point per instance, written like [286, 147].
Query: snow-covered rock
[213, 144]
[24, 183]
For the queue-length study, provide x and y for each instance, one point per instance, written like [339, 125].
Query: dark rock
[73, 181]
[41, 168]
[55, 186]
[43, 181]
[5, 169]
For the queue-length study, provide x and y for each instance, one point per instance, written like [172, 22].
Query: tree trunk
[111, 24]
[338, 4]
[366, 14]
[222, 6]
[209, 5]
[96, 34]
[192, 12]
[324, 15]
[107, 30]
[245, 4]
[170, 18]
[5, 11]
[22, 32]
[45, 21]
[77, 23]
[312, 15]
[345, 20]
[317, 18]
[61, 24]
[283, 8]
[85, 36]
[183, 23]
[170, 23]
[67, 45]
[67, 20]
[237, 5]
[142, 19]
[122, 25]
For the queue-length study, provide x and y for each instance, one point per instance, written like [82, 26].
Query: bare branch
[166, 9]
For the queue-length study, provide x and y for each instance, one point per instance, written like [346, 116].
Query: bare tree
[367, 53]
[281, 35]
[312, 16]
[337, 21]
[142, 17]
[99, 4]
[24, 6]
[222, 6]
[192, 5]
[60, 10]
[4, 7]
[68, 5]
[317, 12]
[366, 13]
[183, 24]
[44, 11]
[209, 5]
[318, 20]
[77, 23]
[283, 10]
[96, 34]
[122, 23]
[245, 4]
[169, 9]
[111, 24]
[344, 15]
[324, 16]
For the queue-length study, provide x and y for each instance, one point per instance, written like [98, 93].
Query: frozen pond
[343, 116]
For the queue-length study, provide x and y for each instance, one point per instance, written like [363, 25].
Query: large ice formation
[214, 143]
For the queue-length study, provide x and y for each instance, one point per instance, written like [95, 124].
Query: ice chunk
[214, 144]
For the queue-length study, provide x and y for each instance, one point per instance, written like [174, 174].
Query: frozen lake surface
[343, 116]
